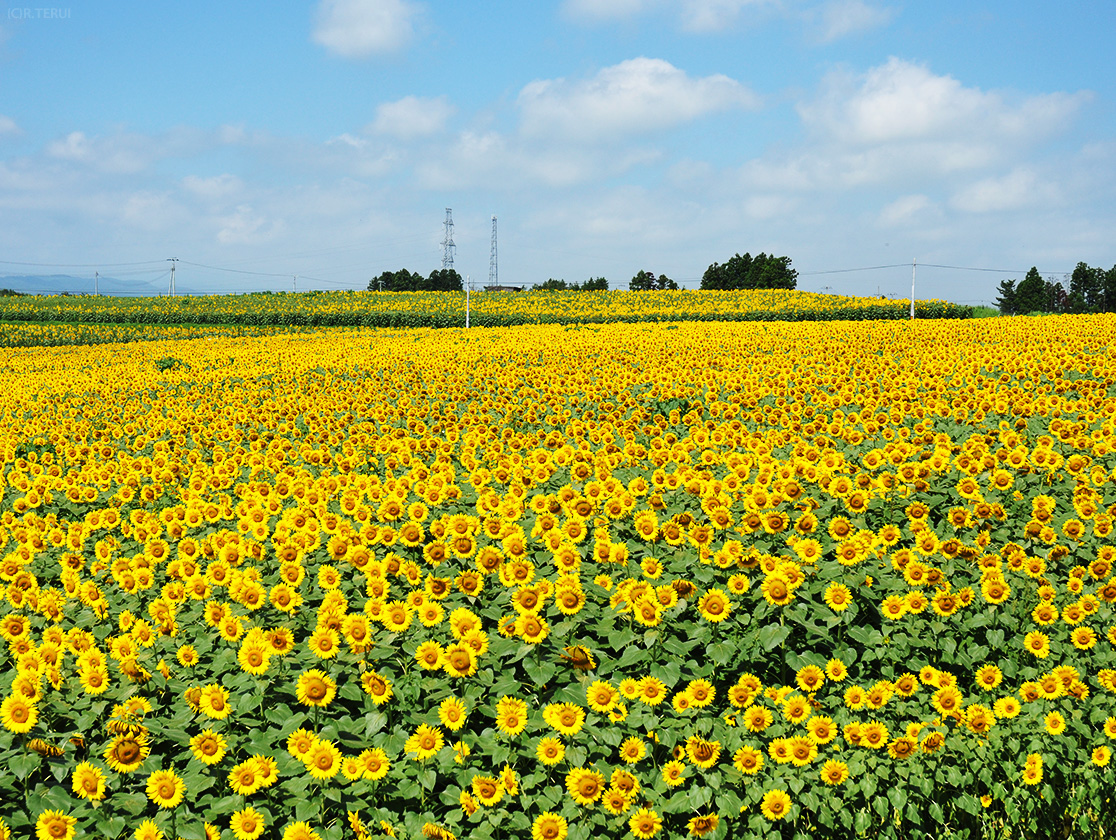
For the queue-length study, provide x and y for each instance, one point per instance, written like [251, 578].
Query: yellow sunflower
[165, 788]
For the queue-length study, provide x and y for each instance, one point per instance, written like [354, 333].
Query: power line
[79, 265]
[849, 270]
[235, 270]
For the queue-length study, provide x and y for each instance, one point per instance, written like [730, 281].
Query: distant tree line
[1087, 289]
[440, 280]
[762, 271]
[593, 284]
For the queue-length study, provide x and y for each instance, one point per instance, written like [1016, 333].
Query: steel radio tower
[447, 244]
[493, 273]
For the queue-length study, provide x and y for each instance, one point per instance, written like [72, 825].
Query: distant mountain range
[57, 284]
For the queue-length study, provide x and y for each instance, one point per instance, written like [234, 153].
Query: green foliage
[440, 280]
[170, 363]
[747, 272]
[646, 281]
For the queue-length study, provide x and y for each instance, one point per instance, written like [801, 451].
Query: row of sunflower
[707, 580]
[447, 309]
[32, 333]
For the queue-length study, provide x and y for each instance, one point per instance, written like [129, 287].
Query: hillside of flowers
[447, 309]
[53, 334]
[747, 580]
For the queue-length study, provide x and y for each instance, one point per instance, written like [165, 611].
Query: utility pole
[296, 283]
[97, 283]
[493, 272]
[173, 261]
[468, 286]
[914, 266]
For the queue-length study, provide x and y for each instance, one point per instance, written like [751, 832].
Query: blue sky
[326, 139]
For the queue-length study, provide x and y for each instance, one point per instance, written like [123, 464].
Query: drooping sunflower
[316, 688]
[165, 788]
[703, 824]
[701, 752]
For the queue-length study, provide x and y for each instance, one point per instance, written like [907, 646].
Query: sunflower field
[725, 580]
[447, 309]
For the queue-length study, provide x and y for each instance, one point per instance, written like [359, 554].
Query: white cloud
[712, 15]
[8, 125]
[900, 101]
[594, 10]
[360, 28]
[1018, 189]
[634, 97]
[904, 210]
[217, 186]
[412, 116]
[846, 17]
[246, 227]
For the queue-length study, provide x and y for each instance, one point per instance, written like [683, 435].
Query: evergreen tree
[1006, 300]
[1031, 294]
[746, 272]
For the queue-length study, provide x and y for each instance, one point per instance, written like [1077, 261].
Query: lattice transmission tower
[493, 272]
[447, 243]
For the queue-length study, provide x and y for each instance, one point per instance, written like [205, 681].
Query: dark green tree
[594, 284]
[1086, 291]
[646, 281]
[1108, 291]
[552, 285]
[443, 280]
[1031, 295]
[1006, 299]
[396, 281]
[747, 272]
